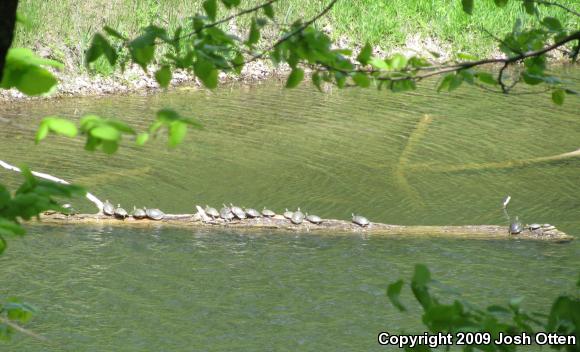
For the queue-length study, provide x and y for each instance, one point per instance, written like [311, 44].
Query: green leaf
[106, 132]
[365, 54]
[231, 3]
[2, 245]
[99, 46]
[163, 76]
[379, 63]
[210, 7]
[238, 62]
[422, 275]
[398, 62]
[552, 23]
[142, 51]
[393, 292]
[206, 72]
[295, 77]
[269, 11]
[455, 82]
[361, 80]
[317, 81]
[36, 81]
[485, 77]
[62, 126]
[177, 131]
[110, 147]
[402, 85]
[530, 7]
[467, 6]
[445, 82]
[254, 35]
[500, 3]
[42, 132]
[558, 96]
[11, 228]
[142, 138]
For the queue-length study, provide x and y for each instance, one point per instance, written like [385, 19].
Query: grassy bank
[63, 28]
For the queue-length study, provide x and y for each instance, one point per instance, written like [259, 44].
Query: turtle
[212, 212]
[515, 227]
[226, 213]
[108, 208]
[288, 214]
[120, 212]
[252, 213]
[315, 219]
[268, 213]
[68, 209]
[534, 226]
[238, 212]
[297, 217]
[154, 214]
[360, 220]
[139, 213]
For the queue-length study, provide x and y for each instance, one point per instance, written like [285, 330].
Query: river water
[417, 158]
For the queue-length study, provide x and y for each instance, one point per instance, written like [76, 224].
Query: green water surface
[418, 158]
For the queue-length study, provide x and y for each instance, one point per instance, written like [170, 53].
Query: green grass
[65, 26]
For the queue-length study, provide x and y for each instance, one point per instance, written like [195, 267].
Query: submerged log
[328, 226]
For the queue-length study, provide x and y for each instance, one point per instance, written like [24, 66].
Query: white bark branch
[98, 203]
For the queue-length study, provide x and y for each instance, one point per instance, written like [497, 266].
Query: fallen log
[328, 226]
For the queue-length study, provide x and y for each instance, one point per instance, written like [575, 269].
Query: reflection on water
[419, 158]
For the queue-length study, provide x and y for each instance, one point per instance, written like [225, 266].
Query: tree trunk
[7, 23]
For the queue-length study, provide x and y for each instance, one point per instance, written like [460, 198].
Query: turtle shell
[154, 214]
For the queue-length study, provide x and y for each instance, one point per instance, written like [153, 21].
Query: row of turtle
[517, 227]
[229, 213]
[138, 213]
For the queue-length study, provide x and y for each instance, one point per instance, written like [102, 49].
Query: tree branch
[549, 3]
[293, 33]
[505, 60]
[7, 23]
[229, 18]
[98, 203]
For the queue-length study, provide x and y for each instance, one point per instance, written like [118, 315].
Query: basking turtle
[268, 213]
[108, 208]
[288, 214]
[238, 212]
[120, 212]
[226, 213]
[139, 213]
[315, 219]
[68, 209]
[212, 212]
[252, 213]
[154, 214]
[297, 217]
[360, 220]
[534, 226]
[516, 227]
